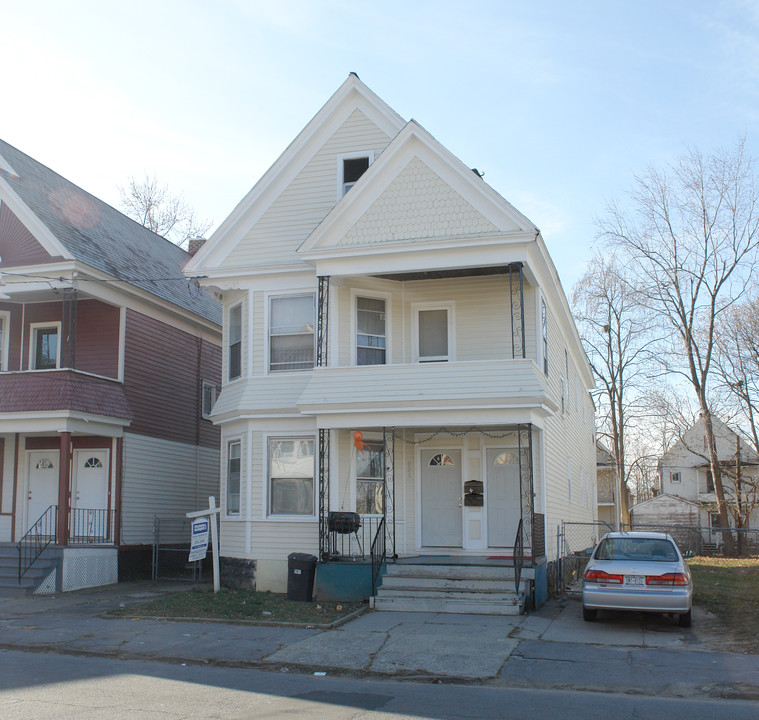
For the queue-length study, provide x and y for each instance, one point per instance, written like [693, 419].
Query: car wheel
[589, 615]
[684, 620]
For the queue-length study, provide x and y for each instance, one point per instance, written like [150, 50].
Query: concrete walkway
[551, 648]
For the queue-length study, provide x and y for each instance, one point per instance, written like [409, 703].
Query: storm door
[89, 504]
[503, 508]
[43, 484]
[441, 498]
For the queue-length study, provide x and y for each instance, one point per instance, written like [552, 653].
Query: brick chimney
[195, 244]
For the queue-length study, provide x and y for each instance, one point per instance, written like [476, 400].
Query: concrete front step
[447, 583]
[469, 572]
[449, 588]
[447, 605]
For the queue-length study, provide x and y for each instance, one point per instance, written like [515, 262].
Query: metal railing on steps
[36, 539]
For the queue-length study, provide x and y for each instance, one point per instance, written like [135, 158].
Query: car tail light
[667, 579]
[592, 575]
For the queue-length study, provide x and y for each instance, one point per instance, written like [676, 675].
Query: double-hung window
[44, 346]
[371, 340]
[233, 477]
[235, 342]
[434, 334]
[291, 332]
[291, 476]
[370, 480]
[208, 398]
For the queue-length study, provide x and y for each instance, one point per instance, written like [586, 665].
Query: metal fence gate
[575, 541]
[171, 548]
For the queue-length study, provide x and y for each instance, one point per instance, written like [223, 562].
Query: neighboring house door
[441, 498]
[90, 494]
[502, 496]
[43, 484]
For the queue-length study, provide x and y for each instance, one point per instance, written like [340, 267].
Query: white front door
[502, 495]
[89, 500]
[441, 498]
[43, 484]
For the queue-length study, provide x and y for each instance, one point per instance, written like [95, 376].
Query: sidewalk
[551, 648]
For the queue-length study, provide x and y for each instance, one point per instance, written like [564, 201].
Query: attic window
[353, 169]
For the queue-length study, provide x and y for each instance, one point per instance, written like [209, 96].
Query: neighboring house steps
[32, 578]
[476, 589]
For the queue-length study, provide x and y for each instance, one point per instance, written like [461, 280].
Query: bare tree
[616, 339]
[153, 206]
[689, 238]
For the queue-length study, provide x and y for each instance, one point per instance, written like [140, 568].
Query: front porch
[454, 506]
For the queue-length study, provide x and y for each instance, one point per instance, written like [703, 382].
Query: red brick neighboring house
[109, 365]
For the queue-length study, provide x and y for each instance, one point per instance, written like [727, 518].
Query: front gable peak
[415, 191]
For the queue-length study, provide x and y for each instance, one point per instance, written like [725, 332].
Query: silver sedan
[639, 571]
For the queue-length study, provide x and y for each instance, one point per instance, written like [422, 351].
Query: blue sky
[559, 103]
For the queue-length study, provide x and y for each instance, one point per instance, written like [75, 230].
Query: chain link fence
[171, 548]
[705, 541]
[576, 541]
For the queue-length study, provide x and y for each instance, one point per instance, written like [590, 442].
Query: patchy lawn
[264, 607]
[729, 588]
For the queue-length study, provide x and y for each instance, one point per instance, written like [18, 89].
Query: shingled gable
[71, 224]
[352, 95]
[431, 198]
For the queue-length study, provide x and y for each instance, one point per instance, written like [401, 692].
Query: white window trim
[267, 329]
[349, 156]
[33, 328]
[207, 384]
[373, 294]
[675, 477]
[227, 442]
[451, 308]
[5, 319]
[265, 514]
[227, 344]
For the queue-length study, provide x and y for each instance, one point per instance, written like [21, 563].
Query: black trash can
[301, 568]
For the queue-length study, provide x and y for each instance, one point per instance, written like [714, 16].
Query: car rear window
[648, 549]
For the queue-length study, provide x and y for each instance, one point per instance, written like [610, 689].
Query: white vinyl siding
[307, 200]
[166, 479]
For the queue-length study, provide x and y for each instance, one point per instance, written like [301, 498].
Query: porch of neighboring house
[444, 519]
[60, 517]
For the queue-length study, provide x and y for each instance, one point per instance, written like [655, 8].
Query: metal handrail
[378, 553]
[36, 539]
[518, 556]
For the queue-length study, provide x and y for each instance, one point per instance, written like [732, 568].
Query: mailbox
[473, 496]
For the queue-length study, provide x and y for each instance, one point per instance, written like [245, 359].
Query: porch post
[64, 481]
[516, 304]
[324, 549]
[527, 503]
[322, 323]
[389, 487]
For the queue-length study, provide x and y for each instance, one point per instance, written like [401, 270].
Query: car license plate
[634, 580]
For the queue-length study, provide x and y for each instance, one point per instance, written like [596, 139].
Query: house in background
[687, 497]
[402, 378]
[606, 486]
[109, 364]
[607, 493]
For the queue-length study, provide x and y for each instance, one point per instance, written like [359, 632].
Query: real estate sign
[199, 539]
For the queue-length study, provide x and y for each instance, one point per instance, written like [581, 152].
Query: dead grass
[729, 588]
[235, 605]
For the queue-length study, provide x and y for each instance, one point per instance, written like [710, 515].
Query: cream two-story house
[402, 375]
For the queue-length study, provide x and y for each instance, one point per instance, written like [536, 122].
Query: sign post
[199, 539]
